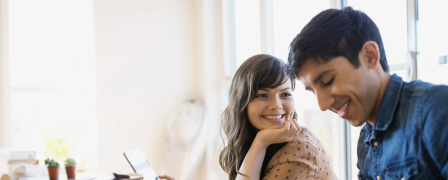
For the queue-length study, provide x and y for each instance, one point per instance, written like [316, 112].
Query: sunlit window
[52, 79]
[431, 42]
[247, 29]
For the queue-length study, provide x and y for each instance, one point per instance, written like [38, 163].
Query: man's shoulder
[427, 101]
[428, 95]
[424, 89]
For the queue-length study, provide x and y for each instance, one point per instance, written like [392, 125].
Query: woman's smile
[274, 118]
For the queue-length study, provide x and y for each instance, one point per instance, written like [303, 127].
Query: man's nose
[324, 100]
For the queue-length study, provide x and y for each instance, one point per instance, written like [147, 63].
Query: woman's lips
[274, 118]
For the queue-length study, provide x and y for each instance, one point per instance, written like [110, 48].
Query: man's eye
[261, 95]
[329, 82]
[287, 94]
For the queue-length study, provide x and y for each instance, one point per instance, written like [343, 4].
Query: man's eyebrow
[285, 89]
[321, 75]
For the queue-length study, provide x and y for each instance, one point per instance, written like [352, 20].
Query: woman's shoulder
[304, 154]
[305, 148]
[301, 148]
[305, 143]
[307, 136]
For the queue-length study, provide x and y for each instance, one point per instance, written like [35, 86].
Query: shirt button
[376, 144]
[378, 177]
[403, 178]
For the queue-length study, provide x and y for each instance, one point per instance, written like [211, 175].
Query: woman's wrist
[259, 142]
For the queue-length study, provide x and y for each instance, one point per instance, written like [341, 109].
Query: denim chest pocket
[404, 170]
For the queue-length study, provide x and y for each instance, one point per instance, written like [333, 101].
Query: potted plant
[53, 168]
[70, 168]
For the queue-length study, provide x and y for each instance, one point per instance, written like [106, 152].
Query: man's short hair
[334, 33]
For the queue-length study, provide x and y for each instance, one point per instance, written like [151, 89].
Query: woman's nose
[275, 104]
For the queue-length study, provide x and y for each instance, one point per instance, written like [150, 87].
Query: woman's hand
[290, 130]
[167, 177]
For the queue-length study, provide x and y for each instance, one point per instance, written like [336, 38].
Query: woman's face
[270, 106]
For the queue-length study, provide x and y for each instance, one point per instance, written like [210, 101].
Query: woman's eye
[329, 82]
[287, 94]
[261, 95]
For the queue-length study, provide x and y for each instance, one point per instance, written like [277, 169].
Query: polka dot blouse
[302, 158]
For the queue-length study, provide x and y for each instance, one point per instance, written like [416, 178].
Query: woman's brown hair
[257, 72]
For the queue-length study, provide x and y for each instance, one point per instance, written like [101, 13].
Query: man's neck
[384, 81]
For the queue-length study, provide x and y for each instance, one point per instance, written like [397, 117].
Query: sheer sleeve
[300, 159]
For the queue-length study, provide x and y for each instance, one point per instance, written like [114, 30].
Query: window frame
[5, 140]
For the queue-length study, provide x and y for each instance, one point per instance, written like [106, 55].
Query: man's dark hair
[334, 33]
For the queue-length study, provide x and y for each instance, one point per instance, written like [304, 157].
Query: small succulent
[70, 162]
[51, 163]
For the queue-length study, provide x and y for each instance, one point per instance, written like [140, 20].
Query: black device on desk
[139, 163]
[121, 176]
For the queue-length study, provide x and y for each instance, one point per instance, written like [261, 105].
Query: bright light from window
[393, 29]
[52, 79]
[290, 16]
[431, 41]
[247, 29]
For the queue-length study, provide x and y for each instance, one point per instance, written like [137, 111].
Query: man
[339, 56]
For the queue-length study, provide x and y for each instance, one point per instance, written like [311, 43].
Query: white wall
[145, 53]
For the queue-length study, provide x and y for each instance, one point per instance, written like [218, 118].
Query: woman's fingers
[289, 116]
[293, 126]
[287, 125]
[298, 128]
[297, 125]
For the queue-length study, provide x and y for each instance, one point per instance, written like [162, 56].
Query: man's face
[350, 92]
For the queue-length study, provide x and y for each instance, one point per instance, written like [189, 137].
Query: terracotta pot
[53, 173]
[71, 172]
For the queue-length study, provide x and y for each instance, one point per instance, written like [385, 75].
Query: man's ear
[370, 55]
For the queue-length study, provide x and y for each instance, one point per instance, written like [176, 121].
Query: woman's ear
[369, 56]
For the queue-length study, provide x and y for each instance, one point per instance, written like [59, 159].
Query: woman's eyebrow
[269, 90]
[264, 89]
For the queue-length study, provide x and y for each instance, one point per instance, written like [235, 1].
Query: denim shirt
[409, 139]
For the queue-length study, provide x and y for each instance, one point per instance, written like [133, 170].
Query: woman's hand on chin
[290, 130]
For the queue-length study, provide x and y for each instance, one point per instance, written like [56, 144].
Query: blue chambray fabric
[409, 139]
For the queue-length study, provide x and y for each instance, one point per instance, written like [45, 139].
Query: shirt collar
[387, 108]
[389, 103]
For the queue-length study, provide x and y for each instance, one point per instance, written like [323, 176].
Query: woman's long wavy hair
[257, 72]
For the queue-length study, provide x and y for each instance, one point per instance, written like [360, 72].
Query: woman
[264, 141]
